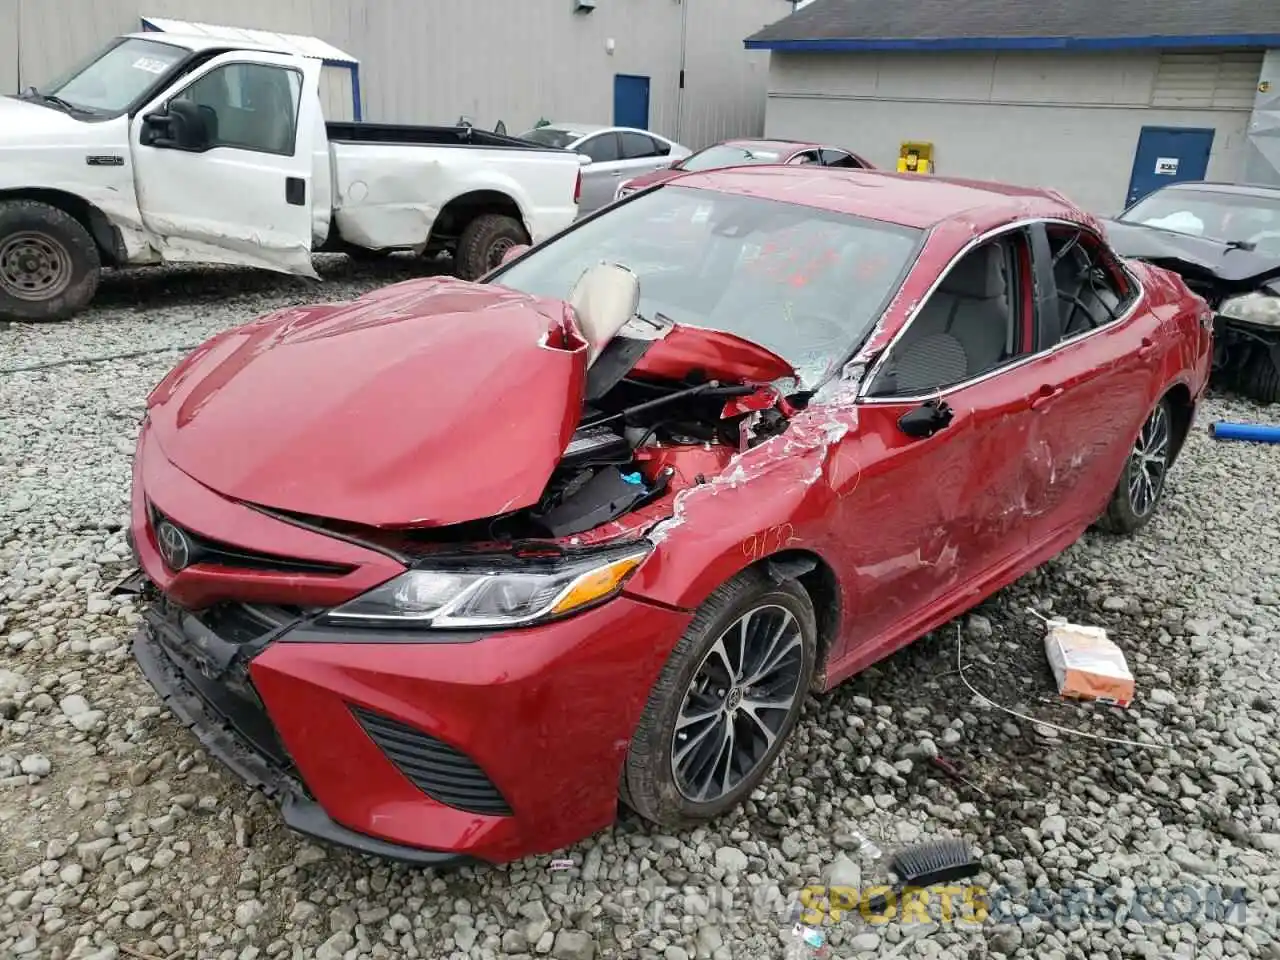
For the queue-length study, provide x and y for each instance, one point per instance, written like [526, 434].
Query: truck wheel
[484, 241]
[49, 265]
[1260, 379]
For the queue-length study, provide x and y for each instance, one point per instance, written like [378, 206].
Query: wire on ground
[103, 358]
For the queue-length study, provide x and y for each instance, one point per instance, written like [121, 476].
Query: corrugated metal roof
[1030, 24]
[301, 46]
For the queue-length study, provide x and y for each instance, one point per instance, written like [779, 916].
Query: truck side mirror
[181, 125]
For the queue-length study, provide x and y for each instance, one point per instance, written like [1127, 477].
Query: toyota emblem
[175, 548]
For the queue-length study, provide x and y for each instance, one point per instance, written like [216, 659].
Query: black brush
[926, 864]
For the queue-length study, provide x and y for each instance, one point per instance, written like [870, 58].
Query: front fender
[774, 498]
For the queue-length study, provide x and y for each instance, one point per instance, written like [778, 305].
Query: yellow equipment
[915, 157]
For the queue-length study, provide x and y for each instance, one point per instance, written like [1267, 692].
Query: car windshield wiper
[34, 94]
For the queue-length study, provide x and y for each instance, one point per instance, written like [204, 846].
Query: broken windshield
[806, 283]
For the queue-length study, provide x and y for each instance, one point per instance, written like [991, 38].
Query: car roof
[1213, 186]
[910, 200]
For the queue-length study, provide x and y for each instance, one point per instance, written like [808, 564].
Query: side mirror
[512, 252]
[926, 419]
[182, 125]
[584, 160]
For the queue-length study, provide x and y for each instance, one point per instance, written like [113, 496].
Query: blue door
[630, 101]
[1168, 155]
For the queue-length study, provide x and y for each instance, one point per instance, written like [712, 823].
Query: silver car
[609, 156]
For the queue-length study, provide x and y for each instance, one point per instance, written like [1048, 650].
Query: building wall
[1064, 120]
[8, 46]
[517, 61]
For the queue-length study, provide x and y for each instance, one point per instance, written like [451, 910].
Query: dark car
[1224, 240]
[739, 153]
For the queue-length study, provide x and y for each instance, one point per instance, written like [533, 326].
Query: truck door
[223, 162]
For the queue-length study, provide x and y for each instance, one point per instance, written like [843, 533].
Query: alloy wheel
[737, 703]
[34, 266]
[1149, 462]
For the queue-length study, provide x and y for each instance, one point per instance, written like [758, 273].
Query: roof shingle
[975, 24]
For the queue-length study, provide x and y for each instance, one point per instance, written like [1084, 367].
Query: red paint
[715, 354]
[913, 532]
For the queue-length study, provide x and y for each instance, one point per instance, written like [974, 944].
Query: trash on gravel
[865, 846]
[1253, 432]
[1087, 665]
[956, 773]
[561, 865]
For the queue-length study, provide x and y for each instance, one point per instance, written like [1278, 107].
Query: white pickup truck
[170, 149]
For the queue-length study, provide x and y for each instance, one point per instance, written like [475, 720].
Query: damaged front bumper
[183, 660]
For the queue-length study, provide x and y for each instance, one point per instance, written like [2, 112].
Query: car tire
[49, 264]
[1260, 379]
[650, 784]
[1142, 481]
[483, 242]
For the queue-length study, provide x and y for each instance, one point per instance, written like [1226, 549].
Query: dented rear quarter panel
[389, 195]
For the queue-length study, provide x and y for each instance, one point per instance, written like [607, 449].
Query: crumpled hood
[426, 403]
[1200, 258]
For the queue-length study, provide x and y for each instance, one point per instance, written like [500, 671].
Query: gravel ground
[121, 839]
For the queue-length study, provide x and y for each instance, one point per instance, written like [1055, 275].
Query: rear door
[601, 177]
[1096, 378]
[243, 193]
[641, 154]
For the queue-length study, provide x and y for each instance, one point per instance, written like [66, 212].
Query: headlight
[491, 592]
[1256, 308]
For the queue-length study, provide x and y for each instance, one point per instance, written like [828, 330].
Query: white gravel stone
[130, 838]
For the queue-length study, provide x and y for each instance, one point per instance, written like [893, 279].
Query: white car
[190, 149]
[609, 156]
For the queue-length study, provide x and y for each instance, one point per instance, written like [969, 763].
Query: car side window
[970, 325]
[838, 158]
[808, 156]
[1093, 288]
[636, 146]
[249, 106]
[602, 148]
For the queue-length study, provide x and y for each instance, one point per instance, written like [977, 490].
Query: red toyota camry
[450, 569]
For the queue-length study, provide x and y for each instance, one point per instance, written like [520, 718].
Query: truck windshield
[804, 282]
[116, 78]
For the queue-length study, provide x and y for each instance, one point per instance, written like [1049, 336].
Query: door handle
[617, 173]
[1046, 394]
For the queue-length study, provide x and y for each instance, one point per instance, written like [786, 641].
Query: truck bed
[406, 134]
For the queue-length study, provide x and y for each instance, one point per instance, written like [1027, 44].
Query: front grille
[187, 641]
[443, 773]
[205, 550]
[242, 623]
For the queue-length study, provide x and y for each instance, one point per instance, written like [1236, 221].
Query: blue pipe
[1255, 432]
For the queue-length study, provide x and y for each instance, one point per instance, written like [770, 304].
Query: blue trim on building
[357, 112]
[940, 44]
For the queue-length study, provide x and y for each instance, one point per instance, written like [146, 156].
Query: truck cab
[168, 149]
